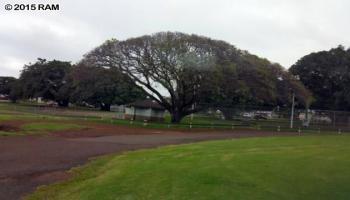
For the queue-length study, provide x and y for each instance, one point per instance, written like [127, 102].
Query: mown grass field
[40, 128]
[308, 167]
[50, 126]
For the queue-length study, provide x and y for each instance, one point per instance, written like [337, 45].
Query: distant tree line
[185, 74]
[65, 83]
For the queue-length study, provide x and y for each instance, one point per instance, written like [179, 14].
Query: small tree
[46, 79]
[6, 84]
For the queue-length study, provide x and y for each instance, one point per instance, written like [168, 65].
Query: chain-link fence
[274, 118]
[258, 118]
[75, 112]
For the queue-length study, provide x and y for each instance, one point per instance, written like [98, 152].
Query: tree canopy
[10, 86]
[46, 79]
[6, 84]
[327, 75]
[166, 64]
[102, 87]
[195, 71]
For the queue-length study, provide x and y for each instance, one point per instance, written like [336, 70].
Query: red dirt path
[30, 161]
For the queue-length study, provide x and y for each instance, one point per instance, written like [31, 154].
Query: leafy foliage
[327, 75]
[6, 84]
[102, 87]
[46, 79]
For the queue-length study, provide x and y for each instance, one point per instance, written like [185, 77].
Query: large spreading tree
[176, 65]
[184, 73]
[327, 75]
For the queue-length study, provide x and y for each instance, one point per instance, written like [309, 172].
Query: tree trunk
[13, 100]
[228, 113]
[105, 107]
[176, 117]
[63, 103]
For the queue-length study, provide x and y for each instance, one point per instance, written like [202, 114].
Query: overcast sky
[279, 30]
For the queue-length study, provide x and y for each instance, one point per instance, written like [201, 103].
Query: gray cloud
[280, 30]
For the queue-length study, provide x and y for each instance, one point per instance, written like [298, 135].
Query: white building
[144, 110]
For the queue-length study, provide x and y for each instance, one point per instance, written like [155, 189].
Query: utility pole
[292, 113]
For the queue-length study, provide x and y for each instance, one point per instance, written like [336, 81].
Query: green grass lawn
[8, 117]
[308, 167]
[38, 128]
[50, 126]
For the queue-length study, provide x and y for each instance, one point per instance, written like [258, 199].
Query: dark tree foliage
[252, 81]
[6, 84]
[194, 71]
[46, 79]
[102, 87]
[16, 91]
[327, 75]
[9, 86]
[286, 84]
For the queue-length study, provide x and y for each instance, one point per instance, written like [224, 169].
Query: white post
[292, 113]
[192, 113]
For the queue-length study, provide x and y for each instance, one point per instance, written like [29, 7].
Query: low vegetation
[38, 128]
[50, 126]
[310, 167]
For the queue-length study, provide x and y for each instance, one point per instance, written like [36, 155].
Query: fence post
[299, 131]
[278, 128]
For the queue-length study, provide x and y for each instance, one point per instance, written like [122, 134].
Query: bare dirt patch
[11, 126]
[5, 127]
